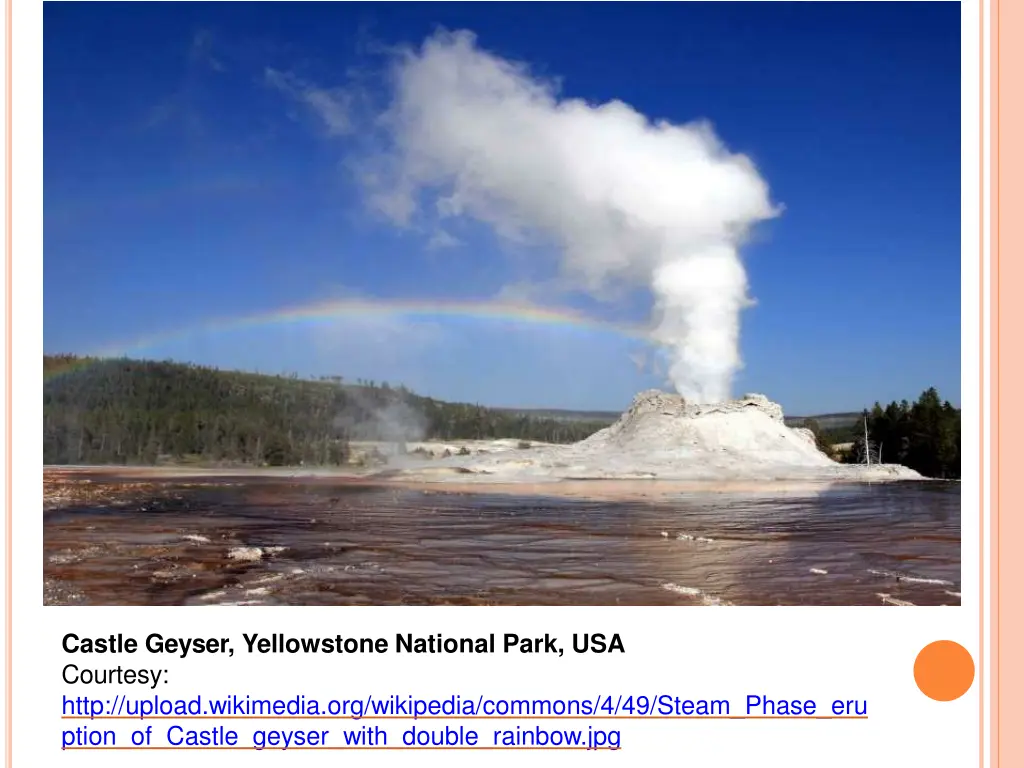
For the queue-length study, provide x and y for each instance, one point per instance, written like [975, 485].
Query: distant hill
[561, 414]
[827, 420]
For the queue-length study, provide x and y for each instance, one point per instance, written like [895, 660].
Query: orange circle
[944, 670]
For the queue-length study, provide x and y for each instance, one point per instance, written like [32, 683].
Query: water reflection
[281, 542]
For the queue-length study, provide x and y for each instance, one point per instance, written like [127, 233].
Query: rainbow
[408, 309]
[67, 368]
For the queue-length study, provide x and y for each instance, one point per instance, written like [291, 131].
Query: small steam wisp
[627, 200]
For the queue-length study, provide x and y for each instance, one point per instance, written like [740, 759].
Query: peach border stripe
[992, 572]
[1007, 573]
[9, 499]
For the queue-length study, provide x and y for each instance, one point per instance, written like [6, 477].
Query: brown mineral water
[273, 541]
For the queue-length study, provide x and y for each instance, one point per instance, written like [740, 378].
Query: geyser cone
[664, 436]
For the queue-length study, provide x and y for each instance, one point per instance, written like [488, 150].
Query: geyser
[627, 201]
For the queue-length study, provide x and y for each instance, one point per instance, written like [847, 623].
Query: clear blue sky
[182, 184]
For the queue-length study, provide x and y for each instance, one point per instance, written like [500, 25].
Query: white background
[864, 653]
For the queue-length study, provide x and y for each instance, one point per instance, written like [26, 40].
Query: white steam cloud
[627, 200]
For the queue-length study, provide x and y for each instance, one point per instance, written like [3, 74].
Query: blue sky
[198, 164]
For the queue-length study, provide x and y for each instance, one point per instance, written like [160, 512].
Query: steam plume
[627, 200]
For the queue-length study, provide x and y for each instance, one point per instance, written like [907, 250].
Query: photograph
[504, 304]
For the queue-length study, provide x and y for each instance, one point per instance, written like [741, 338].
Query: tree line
[121, 411]
[924, 435]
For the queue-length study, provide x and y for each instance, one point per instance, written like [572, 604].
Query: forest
[924, 436]
[121, 411]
